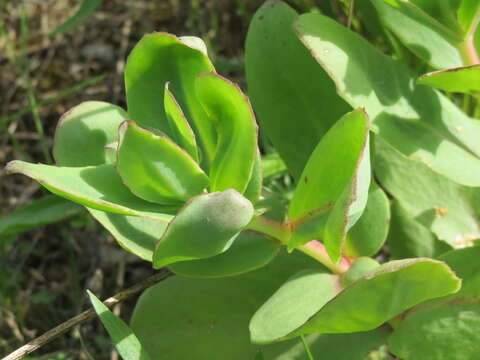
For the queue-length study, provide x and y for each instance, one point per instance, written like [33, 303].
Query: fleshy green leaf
[137, 235]
[156, 169]
[331, 166]
[212, 315]
[229, 109]
[446, 208]
[349, 206]
[124, 339]
[83, 132]
[206, 226]
[337, 174]
[468, 14]
[463, 79]
[361, 267]
[445, 328]
[418, 121]
[293, 98]
[180, 131]
[98, 187]
[272, 165]
[430, 40]
[49, 209]
[292, 305]
[384, 293]
[368, 235]
[408, 238]
[249, 251]
[160, 58]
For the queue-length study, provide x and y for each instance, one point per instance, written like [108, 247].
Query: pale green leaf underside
[206, 226]
[83, 132]
[97, 187]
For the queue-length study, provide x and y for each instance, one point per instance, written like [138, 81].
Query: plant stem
[313, 248]
[467, 47]
[307, 349]
[85, 316]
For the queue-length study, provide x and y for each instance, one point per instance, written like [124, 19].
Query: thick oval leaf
[368, 235]
[446, 328]
[180, 131]
[49, 209]
[124, 339]
[294, 99]
[408, 238]
[349, 206]
[430, 40]
[249, 251]
[97, 187]
[462, 79]
[137, 235]
[156, 169]
[83, 132]
[331, 166]
[361, 267]
[212, 316]
[160, 58]
[384, 293]
[230, 110]
[292, 305]
[446, 208]
[416, 120]
[206, 226]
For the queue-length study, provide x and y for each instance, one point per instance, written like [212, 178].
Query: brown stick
[85, 316]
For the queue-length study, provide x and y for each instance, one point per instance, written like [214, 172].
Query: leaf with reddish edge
[84, 131]
[462, 79]
[160, 58]
[156, 169]
[230, 110]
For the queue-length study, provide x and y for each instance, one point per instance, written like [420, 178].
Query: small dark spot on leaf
[305, 179]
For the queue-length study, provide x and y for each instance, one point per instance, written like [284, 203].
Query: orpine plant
[177, 181]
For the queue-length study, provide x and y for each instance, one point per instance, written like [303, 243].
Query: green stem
[467, 47]
[313, 248]
[307, 349]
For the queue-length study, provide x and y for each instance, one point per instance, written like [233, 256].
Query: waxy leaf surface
[384, 293]
[409, 238]
[156, 169]
[463, 79]
[254, 187]
[97, 187]
[248, 252]
[83, 132]
[229, 109]
[124, 339]
[446, 208]
[418, 121]
[368, 235]
[292, 305]
[294, 99]
[137, 235]
[430, 40]
[180, 131]
[331, 166]
[212, 316]
[160, 58]
[445, 328]
[206, 226]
